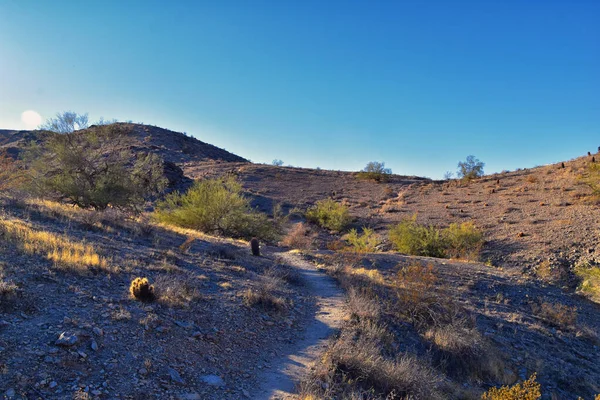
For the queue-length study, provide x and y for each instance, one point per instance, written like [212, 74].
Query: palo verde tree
[375, 170]
[66, 122]
[94, 168]
[470, 169]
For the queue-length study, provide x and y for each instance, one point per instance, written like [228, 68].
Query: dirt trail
[279, 381]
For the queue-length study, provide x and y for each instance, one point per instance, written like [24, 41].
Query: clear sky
[330, 83]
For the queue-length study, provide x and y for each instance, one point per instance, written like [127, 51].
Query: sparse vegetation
[469, 169]
[299, 237]
[528, 390]
[215, 206]
[57, 248]
[142, 290]
[557, 314]
[376, 171]
[264, 295]
[329, 214]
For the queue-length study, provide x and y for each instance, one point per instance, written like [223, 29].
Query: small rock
[94, 345]
[10, 393]
[53, 384]
[213, 380]
[190, 396]
[245, 393]
[142, 371]
[175, 377]
[97, 331]
[96, 392]
[67, 339]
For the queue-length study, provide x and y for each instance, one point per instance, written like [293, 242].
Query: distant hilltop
[172, 146]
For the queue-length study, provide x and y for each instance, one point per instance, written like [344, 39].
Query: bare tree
[66, 122]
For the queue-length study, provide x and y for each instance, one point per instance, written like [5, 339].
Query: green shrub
[469, 169]
[329, 214]
[409, 237]
[458, 240]
[376, 171]
[366, 242]
[215, 206]
[463, 240]
[589, 276]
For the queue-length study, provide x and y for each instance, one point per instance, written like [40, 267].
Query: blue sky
[417, 84]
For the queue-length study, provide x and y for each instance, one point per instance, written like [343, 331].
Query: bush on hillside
[376, 171]
[457, 241]
[94, 169]
[66, 122]
[463, 240]
[409, 237]
[366, 242]
[215, 206]
[329, 214]
[469, 169]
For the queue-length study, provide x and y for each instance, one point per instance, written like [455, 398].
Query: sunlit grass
[55, 247]
[590, 280]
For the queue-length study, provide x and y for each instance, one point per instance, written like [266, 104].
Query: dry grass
[359, 365]
[299, 237]
[176, 291]
[557, 314]
[63, 252]
[264, 295]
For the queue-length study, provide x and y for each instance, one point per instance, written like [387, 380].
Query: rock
[190, 396]
[97, 331]
[175, 377]
[94, 345]
[53, 384]
[213, 380]
[10, 393]
[245, 393]
[67, 339]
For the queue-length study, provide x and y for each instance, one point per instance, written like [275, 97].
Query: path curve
[286, 371]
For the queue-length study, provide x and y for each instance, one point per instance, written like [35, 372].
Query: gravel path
[279, 381]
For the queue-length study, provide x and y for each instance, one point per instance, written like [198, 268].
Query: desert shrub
[362, 305]
[557, 314]
[458, 240]
[141, 290]
[591, 178]
[589, 276]
[366, 242]
[409, 237]
[215, 206]
[463, 240]
[265, 295]
[10, 175]
[94, 169]
[329, 214]
[66, 122]
[299, 237]
[528, 390]
[469, 169]
[176, 291]
[358, 366]
[376, 171]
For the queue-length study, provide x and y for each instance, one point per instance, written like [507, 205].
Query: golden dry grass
[59, 249]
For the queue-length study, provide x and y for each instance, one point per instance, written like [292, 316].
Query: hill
[174, 147]
[228, 325]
